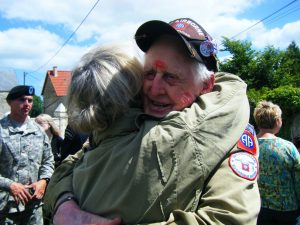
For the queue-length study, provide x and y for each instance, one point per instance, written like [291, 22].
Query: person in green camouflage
[26, 161]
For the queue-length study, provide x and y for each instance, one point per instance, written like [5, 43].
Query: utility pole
[24, 77]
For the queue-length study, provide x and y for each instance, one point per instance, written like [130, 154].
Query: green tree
[37, 107]
[272, 75]
[242, 59]
[266, 65]
[289, 71]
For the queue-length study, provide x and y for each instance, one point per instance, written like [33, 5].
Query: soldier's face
[21, 107]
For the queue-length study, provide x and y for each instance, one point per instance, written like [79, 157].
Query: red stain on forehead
[160, 64]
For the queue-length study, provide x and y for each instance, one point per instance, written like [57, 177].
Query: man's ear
[208, 85]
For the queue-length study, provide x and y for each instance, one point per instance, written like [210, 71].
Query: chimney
[55, 71]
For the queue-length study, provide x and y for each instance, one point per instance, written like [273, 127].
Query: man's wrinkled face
[168, 80]
[21, 107]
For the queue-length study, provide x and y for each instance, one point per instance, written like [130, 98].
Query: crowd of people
[166, 141]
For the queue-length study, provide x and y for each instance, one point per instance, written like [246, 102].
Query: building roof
[8, 80]
[60, 81]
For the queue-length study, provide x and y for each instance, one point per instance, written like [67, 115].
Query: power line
[73, 33]
[278, 17]
[264, 19]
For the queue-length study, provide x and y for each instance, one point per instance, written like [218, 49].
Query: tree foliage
[271, 74]
[37, 107]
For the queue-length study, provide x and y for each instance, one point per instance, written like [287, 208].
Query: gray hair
[102, 86]
[45, 118]
[201, 72]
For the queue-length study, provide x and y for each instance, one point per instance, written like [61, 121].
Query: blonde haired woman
[279, 163]
[53, 133]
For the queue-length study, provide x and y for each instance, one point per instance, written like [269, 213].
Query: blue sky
[32, 32]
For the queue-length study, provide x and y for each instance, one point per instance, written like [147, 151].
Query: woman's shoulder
[57, 138]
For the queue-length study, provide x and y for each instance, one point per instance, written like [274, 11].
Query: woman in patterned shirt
[279, 160]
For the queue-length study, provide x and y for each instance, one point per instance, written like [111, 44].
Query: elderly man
[26, 161]
[179, 67]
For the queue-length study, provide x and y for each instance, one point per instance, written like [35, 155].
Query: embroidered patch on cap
[31, 90]
[208, 48]
[247, 140]
[189, 28]
[244, 165]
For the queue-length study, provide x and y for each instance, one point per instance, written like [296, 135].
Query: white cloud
[32, 42]
[109, 15]
[278, 37]
[30, 48]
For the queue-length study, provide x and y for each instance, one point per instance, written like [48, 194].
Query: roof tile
[60, 82]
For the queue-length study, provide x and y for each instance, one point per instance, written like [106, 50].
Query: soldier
[26, 161]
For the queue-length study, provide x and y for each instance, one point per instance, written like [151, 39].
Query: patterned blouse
[279, 179]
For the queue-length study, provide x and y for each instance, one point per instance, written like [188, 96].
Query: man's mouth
[159, 104]
[26, 110]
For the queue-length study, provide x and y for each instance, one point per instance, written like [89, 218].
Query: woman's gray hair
[102, 86]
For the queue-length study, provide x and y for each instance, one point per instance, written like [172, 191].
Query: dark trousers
[32, 216]
[272, 217]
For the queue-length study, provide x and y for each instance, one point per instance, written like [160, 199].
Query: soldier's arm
[47, 164]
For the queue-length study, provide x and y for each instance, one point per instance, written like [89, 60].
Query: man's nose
[158, 86]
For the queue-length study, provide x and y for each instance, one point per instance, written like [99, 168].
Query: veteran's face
[168, 80]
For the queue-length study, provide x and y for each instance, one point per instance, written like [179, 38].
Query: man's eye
[25, 99]
[170, 78]
[149, 75]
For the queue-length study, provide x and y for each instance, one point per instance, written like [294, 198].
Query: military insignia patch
[208, 48]
[31, 90]
[247, 140]
[244, 165]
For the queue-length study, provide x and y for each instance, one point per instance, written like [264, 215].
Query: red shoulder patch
[247, 141]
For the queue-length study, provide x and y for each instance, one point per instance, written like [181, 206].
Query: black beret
[19, 91]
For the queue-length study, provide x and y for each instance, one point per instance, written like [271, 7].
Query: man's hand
[69, 213]
[20, 193]
[39, 188]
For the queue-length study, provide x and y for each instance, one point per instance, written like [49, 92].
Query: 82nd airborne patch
[247, 140]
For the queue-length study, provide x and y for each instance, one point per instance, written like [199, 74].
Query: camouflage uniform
[25, 157]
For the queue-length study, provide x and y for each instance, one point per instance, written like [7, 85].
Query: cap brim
[148, 32]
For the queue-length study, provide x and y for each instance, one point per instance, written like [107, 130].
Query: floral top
[279, 179]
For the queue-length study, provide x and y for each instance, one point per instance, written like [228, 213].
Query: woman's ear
[208, 85]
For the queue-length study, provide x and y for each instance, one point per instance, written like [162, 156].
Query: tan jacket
[146, 171]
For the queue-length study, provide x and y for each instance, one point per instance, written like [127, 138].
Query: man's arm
[47, 164]
[60, 182]
[227, 199]
[69, 213]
